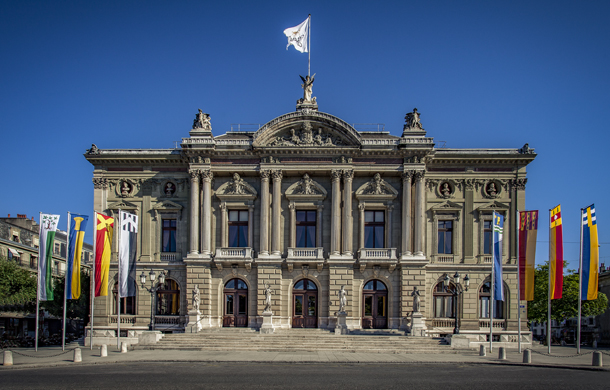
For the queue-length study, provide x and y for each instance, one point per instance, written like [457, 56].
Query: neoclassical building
[307, 204]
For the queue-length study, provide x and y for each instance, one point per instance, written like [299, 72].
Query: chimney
[9, 215]
[22, 216]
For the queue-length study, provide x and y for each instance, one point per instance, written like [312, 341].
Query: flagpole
[309, 47]
[118, 287]
[491, 283]
[92, 281]
[63, 331]
[548, 323]
[38, 279]
[579, 286]
[518, 224]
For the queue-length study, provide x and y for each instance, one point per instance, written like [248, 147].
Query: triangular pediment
[306, 188]
[311, 129]
[376, 188]
[167, 205]
[447, 206]
[493, 206]
[236, 188]
[123, 205]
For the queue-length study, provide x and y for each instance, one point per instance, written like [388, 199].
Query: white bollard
[502, 353]
[597, 359]
[123, 347]
[482, 350]
[8, 358]
[78, 357]
[527, 356]
[103, 350]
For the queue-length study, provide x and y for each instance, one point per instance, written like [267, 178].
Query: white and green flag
[48, 226]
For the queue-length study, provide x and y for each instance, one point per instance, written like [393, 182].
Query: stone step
[446, 350]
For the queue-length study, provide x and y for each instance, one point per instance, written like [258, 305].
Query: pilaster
[264, 215]
[206, 242]
[277, 208]
[407, 238]
[420, 210]
[335, 231]
[469, 222]
[348, 223]
[194, 212]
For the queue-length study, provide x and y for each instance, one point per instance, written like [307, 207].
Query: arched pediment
[306, 188]
[306, 129]
[376, 188]
[236, 188]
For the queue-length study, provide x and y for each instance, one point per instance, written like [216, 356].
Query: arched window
[444, 301]
[484, 302]
[168, 299]
[127, 304]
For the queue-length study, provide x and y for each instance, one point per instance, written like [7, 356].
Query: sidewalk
[53, 357]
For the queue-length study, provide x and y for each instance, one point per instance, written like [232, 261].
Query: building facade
[303, 206]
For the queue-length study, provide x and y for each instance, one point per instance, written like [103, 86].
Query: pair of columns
[276, 175]
[205, 177]
[418, 246]
[348, 223]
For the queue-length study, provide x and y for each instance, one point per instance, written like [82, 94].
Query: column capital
[195, 173]
[419, 175]
[223, 206]
[407, 175]
[207, 175]
[292, 206]
[361, 206]
[265, 173]
[335, 174]
[277, 174]
[348, 174]
[519, 184]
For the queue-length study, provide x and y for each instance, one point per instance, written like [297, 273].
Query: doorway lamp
[153, 292]
[456, 288]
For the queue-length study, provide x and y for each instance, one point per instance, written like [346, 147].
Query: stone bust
[491, 189]
[170, 189]
[445, 189]
[125, 188]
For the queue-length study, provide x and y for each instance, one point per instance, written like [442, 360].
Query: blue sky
[132, 74]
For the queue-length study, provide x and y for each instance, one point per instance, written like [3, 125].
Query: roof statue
[412, 120]
[202, 121]
[307, 89]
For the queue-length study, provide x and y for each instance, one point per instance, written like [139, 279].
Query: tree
[76, 308]
[17, 287]
[566, 307]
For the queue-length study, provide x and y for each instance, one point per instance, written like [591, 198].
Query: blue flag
[498, 228]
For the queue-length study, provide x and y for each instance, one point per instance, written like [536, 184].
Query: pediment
[236, 188]
[376, 188]
[493, 206]
[446, 206]
[311, 129]
[306, 189]
[167, 205]
[123, 205]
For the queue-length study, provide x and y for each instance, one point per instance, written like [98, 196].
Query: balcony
[305, 254]
[229, 256]
[497, 324]
[170, 257]
[443, 258]
[377, 254]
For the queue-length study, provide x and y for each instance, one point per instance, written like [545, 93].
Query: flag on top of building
[127, 254]
[298, 36]
[556, 254]
[78, 226]
[590, 255]
[48, 227]
[498, 232]
[528, 231]
[103, 241]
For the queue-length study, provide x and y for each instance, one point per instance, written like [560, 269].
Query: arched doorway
[305, 304]
[375, 305]
[235, 303]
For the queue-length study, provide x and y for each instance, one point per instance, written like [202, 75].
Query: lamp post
[153, 292]
[456, 290]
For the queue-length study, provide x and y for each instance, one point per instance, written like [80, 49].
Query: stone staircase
[299, 340]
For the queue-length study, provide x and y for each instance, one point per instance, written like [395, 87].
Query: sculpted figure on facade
[492, 191]
[416, 300]
[237, 186]
[125, 188]
[196, 298]
[268, 293]
[342, 299]
[202, 121]
[95, 150]
[412, 120]
[306, 186]
[170, 189]
[307, 88]
[305, 137]
[376, 186]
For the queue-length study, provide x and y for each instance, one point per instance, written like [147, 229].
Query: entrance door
[235, 304]
[305, 304]
[375, 305]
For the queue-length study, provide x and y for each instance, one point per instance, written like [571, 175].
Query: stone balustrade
[305, 254]
[377, 254]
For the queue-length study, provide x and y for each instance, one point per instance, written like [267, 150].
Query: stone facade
[321, 201]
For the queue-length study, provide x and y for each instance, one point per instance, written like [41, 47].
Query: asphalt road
[300, 376]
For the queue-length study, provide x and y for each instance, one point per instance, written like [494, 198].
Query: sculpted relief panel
[306, 136]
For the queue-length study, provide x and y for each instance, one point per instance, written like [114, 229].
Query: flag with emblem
[127, 254]
[103, 247]
[556, 254]
[528, 231]
[498, 231]
[298, 36]
[590, 254]
[78, 225]
[48, 227]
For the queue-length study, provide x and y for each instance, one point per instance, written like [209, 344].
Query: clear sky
[132, 74]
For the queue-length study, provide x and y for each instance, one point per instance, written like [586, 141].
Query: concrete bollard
[123, 347]
[502, 353]
[78, 357]
[527, 356]
[8, 358]
[482, 350]
[597, 359]
[103, 350]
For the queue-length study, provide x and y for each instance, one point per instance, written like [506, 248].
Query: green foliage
[566, 307]
[76, 308]
[17, 287]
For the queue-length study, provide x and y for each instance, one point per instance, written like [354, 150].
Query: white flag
[127, 254]
[298, 35]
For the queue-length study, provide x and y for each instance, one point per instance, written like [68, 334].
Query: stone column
[206, 244]
[277, 207]
[319, 226]
[348, 225]
[224, 242]
[250, 226]
[407, 238]
[293, 227]
[361, 224]
[420, 210]
[264, 227]
[194, 212]
[469, 186]
[335, 229]
[388, 235]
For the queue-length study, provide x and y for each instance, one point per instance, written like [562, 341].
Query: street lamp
[457, 290]
[153, 292]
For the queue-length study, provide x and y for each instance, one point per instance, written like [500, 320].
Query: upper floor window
[238, 228]
[487, 237]
[168, 243]
[374, 229]
[306, 229]
[15, 238]
[445, 237]
[56, 248]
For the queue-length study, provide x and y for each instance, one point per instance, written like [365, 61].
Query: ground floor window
[127, 304]
[444, 302]
[168, 299]
[485, 303]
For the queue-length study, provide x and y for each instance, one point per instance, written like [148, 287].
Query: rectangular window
[238, 228]
[445, 232]
[56, 249]
[306, 229]
[168, 243]
[32, 261]
[374, 229]
[487, 237]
